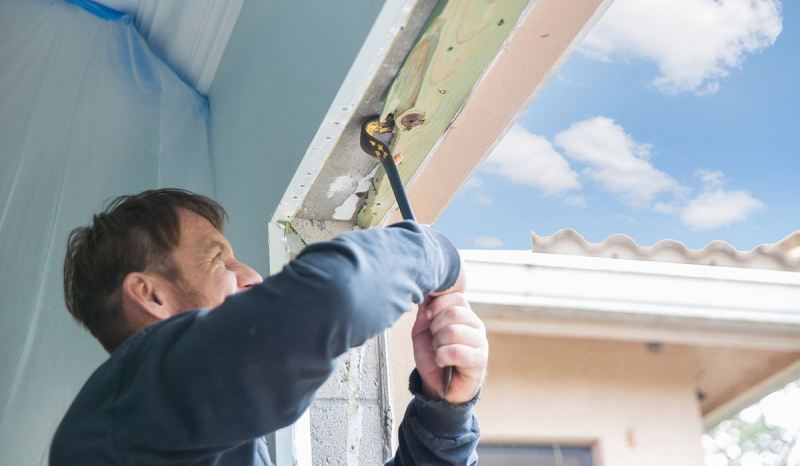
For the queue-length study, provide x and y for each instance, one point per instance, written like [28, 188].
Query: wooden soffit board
[473, 68]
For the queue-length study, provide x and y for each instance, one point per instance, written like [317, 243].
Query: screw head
[412, 120]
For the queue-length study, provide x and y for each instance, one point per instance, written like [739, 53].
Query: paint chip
[347, 209]
[339, 184]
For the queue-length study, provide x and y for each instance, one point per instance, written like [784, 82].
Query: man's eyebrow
[214, 244]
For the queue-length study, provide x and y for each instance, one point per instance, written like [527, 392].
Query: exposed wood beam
[474, 68]
[458, 43]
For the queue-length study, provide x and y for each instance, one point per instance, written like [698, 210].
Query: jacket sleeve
[434, 432]
[204, 380]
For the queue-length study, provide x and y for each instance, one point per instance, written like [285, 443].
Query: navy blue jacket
[204, 387]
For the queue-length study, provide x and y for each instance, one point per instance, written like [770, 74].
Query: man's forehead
[197, 231]
[189, 217]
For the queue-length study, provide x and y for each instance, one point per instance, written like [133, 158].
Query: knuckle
[450, 333]
[451, 313]
[452, 352]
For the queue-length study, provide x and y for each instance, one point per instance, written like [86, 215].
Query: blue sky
[674, 119]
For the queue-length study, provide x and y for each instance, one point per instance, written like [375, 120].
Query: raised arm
[252, 365]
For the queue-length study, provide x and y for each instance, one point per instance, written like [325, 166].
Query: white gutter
[522, 284]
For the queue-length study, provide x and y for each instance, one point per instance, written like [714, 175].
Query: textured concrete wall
[350, 419]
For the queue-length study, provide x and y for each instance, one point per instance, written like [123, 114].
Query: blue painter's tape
[98, 10]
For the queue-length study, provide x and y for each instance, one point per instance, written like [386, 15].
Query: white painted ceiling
[189, 35]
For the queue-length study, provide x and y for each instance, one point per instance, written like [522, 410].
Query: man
[207, 358]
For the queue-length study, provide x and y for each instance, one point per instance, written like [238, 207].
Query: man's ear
[143, 293]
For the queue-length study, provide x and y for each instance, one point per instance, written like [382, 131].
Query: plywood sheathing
[435, 165]
[459, 42]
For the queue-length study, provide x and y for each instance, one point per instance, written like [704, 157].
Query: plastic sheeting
[86, 113]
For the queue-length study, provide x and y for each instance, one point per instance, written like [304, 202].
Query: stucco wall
[634, 406]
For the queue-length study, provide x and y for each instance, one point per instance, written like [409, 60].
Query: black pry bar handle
[375, 148]
[397, 188]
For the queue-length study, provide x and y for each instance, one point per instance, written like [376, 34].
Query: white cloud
[718, 208]
[473, 191]
[525, 158]
[487, 242]
[694, 43]
[481, 198]
[711, 178]
[616, 161]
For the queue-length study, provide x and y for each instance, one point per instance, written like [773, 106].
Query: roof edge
[783, 255]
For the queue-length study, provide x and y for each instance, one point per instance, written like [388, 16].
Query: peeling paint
[347, 209]
[340, 183]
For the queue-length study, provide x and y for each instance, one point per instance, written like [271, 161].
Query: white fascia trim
[391, 19]
[617, 290]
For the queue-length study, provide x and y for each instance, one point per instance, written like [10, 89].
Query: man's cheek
[230, 284]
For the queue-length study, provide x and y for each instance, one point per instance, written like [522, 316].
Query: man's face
[209, 272]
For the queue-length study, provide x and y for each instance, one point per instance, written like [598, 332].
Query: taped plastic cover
[87, 112]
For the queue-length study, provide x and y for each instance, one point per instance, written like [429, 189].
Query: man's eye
[218, 257]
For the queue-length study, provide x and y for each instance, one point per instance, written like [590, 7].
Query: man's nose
[246, 277]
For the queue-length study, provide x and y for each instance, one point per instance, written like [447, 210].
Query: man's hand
[448, 333]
